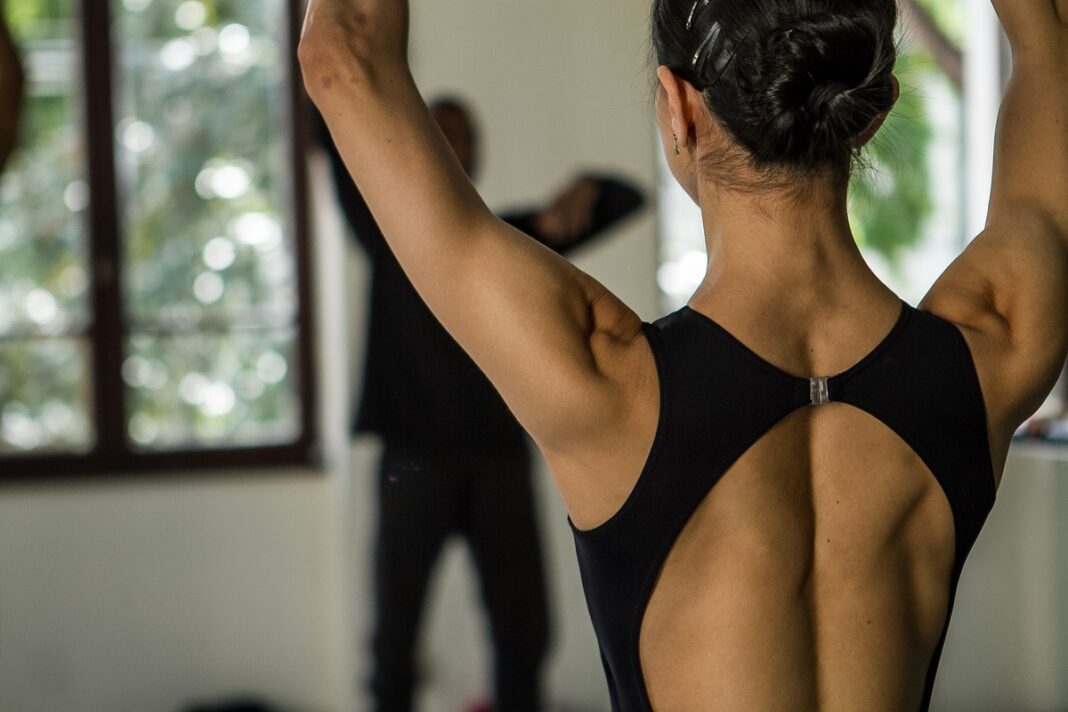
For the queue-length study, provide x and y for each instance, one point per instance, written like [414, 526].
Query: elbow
[316, 55]
[321, 66]
[329, 66]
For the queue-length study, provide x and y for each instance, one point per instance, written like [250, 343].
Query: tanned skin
[815, 574]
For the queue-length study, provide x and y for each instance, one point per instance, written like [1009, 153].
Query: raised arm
[542, 330]
[584, 211]
[361, 222]
[1009, 289]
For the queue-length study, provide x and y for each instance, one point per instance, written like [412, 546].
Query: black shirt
[717, 399]
[420, 388]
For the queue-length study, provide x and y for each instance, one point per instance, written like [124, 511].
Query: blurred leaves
[44, 283]
[892, 193]
[208, 268]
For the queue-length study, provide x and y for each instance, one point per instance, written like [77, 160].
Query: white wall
[143, 596]
[1007, 647]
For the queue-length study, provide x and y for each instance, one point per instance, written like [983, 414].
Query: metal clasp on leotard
[819, 390]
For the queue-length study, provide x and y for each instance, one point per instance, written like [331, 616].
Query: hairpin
[709, 42]
[693, 11]
[710, 39]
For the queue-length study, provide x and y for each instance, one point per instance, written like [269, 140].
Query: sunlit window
[195, 340]
[211, 172]
[45, 304]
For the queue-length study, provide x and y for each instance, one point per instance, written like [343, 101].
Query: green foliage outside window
[893, 199]
[44, 284]
[207, 267]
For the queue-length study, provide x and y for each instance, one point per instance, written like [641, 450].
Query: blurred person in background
[12, 81]
[455, 459]
[774, 489]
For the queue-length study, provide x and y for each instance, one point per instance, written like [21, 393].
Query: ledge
[1044, 450]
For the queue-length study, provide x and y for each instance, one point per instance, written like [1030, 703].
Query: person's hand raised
[570, 214]
[347, 42]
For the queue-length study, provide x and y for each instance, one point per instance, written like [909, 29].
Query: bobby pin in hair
[710, 39]
[693, 11]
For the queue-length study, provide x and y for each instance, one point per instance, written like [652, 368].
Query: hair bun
[822, 80]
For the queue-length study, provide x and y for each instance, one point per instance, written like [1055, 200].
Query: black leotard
[717, 399]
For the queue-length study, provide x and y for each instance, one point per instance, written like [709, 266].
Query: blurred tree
[892, 201]
[208, 265]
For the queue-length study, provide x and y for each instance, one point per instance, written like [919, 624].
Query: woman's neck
[778, 249]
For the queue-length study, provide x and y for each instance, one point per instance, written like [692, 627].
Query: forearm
[430, 215]
[415, 188]
[358, 216]
[616, 200]
[608, 201]
[1031, 146]
[1031, 25]
[409, 178]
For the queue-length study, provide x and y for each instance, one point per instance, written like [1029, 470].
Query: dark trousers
[488, 499]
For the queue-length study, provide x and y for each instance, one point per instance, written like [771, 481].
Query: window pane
[44, 275]
[44, 396]
[201, 142]
[212, 390]
[202, 154]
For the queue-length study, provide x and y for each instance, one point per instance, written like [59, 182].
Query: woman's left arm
[545, 333]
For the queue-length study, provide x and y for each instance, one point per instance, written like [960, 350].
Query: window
[153, 271]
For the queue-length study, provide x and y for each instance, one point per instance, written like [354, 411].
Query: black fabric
[237, 705]
[420, 388]
[489, 501]
[455, 461]
[718, 398]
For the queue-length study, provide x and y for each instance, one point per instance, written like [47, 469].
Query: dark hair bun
[823, 84]
[794, 82]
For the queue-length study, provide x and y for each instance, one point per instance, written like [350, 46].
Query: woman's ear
[678, 100]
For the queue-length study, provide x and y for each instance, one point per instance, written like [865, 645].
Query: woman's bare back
[820, 560]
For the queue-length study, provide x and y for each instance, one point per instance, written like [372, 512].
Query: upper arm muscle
[1031, 149]
[545, 333]
[1010, 290]
[1010, 287]
[533, 322]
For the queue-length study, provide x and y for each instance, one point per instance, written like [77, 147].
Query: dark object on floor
[239, 704]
